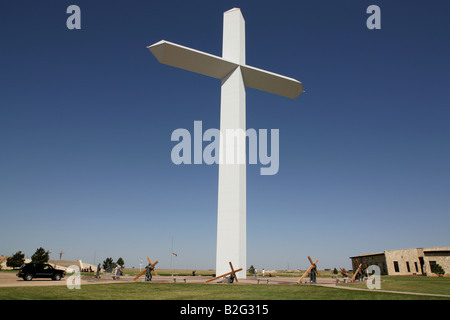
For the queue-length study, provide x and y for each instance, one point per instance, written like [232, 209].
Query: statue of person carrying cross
[148, 273]
[313, 274]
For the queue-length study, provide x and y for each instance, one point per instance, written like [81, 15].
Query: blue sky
[86, 118]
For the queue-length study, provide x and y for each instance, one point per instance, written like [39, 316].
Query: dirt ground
[8, 279]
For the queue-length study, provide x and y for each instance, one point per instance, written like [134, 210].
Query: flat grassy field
[432, 285]
[181, 291]
[196, 291]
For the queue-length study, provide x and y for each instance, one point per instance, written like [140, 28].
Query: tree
[40, 256]
[108, 264]
[251, 270]
[120, 262]
[16, 260]
[335, 271]
[437, 269]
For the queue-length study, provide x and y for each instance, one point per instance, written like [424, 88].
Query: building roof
[368, 255]
[436, 249]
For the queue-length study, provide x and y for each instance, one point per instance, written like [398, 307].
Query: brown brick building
[417, 261]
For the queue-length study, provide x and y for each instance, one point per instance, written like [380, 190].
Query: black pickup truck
[29, 271]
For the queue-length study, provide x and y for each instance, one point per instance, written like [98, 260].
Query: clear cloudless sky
[86, 118]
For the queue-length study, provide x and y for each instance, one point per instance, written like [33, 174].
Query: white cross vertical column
[231, 215]
[235, 76]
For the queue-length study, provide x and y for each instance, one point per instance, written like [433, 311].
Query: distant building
[417, 261]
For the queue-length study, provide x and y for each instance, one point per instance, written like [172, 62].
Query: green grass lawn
[169, 291]
[433, 285]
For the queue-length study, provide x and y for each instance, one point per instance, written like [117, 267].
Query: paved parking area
[8, 279]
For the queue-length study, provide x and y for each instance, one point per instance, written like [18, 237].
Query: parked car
[29, 271]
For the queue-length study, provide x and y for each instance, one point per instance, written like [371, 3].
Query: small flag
[174, 254]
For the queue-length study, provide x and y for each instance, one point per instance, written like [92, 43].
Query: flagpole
[171, 255]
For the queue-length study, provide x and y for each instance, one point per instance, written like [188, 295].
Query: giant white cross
[235, 76]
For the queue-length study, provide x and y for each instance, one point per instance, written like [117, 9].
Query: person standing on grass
[117, 270]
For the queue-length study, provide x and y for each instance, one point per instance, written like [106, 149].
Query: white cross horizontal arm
[271, 82]
[217, 67]
[192, 60]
